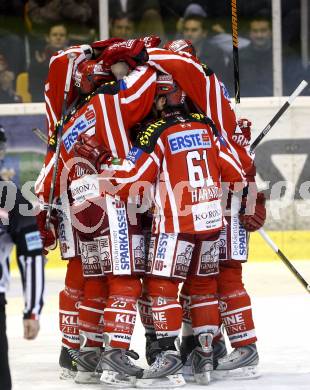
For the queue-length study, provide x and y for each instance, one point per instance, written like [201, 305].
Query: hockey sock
[91, 321]
[236, 313]
[91, 311]
[145, 311]
[167, 316]
[205, 314]
[69, 300]
[187, 329]
[119, 320]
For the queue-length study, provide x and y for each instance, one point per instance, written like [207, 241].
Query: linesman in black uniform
[21, 230]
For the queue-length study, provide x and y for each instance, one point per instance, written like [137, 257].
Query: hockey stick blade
[278, 115]
[285, 260]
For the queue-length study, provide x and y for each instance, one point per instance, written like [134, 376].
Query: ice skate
[152, 348]
[68, 362]
[117, 368]
[165, 372]
[187, 346]
[219, 350]
[241, 363]
[202, 359]
[86, 365]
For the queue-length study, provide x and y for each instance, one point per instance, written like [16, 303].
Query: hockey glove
[245, 127]
[133, 52]
[151, 41]
[48, 237]
[102, 45]
[253, 211]
[89, 148]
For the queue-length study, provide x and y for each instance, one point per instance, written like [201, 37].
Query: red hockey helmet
[180, 45]
[166, 86]
[90, 74]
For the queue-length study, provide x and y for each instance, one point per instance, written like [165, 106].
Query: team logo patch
[189, 140]
[134, 154]
[138, 252]
[90, 259]
[33, 241]
[105, 253]
[183, 259]
[209, 257]
[80, 125]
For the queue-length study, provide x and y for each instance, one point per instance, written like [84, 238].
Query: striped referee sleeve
[33, 280]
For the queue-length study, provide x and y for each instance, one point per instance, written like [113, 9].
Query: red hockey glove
[101, 45]
[180, 45]
[48, 237]
[245, 127]
[256, 212]
[132, 52]
[89, 148]
[151, 41]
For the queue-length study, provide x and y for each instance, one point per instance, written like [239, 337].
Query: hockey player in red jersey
[82, 300]
[185, 227]
[211, 97]
[109, 113]
[78, 301]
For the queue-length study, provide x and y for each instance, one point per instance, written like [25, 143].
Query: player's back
[188, 189]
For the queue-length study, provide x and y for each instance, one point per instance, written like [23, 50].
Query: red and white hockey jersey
[56, 79]
[207, 93]
[109, 114]
[187, 163]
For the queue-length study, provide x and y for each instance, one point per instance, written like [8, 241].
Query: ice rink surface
[282, 316]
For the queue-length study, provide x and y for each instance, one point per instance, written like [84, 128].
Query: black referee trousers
[5, 376]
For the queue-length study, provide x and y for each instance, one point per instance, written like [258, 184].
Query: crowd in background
[31, 30]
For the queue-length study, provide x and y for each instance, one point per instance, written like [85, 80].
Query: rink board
[294, 244]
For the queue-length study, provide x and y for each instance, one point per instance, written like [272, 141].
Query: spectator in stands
[79, 13]
[56, 39]
[256, 61]
[12, 34]
[7, 83]
[122, 26]
[195, 29]
[146, 15]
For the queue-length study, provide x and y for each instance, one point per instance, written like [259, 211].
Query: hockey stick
[285, 260]
[58, 130]
[39, 133]
[261, 231]
[278, 115]
[234, 28]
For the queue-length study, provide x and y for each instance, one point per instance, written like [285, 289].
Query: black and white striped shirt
[21, 230]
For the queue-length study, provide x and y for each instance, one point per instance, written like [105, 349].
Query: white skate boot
[241, 363]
